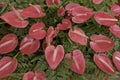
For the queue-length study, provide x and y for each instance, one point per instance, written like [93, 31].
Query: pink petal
[66, 24]
[12, 19]
[78, 36]
[81, 14]
[72, 6]
[57, 2]
[78, 66]
[116, 59]
[7, 66]
[115, 8]
[61, 12]
[103, 63]
[33, 11]
[115, 30]
[51, 34]
[29, 45]
[97, 1]
[103, 18]
[50, 2]
[101, 43]
[8, 43]
[54, 55]
[36, 31]
[34, 76]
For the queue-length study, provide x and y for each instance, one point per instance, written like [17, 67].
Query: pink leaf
[72, 6]
[81, 14]
[29, 45]
[34, 76]
[103, 63]
[50, 2]
[78, 62]
[33, 11]
[8, 43]
[104, 18]
[66, 24]
[54, 55]
[36, 31]
[12, 19]
[97, 1]
[7, 66]
[115, 30]
[78, 36]
[51, 34]
[101, 43]
[115, 8]
[61, 12]
[116, 59]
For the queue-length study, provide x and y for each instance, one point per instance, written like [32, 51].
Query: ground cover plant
[59, 40]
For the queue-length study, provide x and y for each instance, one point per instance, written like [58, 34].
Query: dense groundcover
[89, 49]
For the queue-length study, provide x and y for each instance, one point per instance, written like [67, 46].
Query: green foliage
[37, 61]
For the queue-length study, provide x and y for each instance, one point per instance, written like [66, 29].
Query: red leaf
[50, 2]
[29, 45]
[78, 63]
[33, 11]
[78, 36]
[116, 59]
[61, 12]
[7, 66]
[97, 1]
[51, 33]
[37, 32]
[115, 30]
[81, 14]
[103, 63]
[101, 43]
[54, 55]
[115, 8]
[34, 76]
[66, 24]
[8, 43]
[12, 19]
[103, 18]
